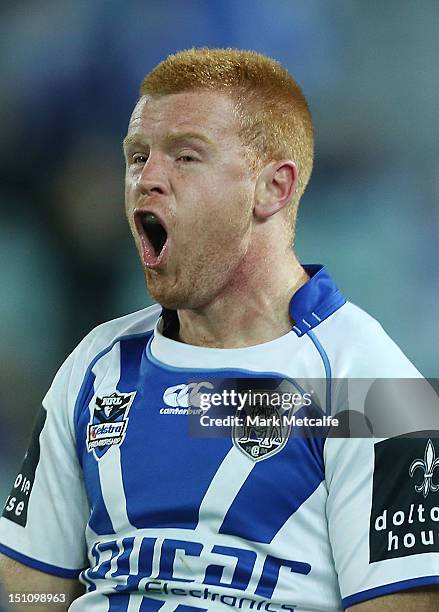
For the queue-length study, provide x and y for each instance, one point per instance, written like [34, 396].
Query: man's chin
[168, 296]
[177, 291]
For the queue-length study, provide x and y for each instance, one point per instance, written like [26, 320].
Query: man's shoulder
[106, 334]
[357, 344]
[74, 371]
[353, 319]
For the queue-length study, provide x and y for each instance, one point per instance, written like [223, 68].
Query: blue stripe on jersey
[150, 605]
[144, 563]
[328, 373]
[81, 403]
[100, 568]
[118, 603]
[131, 350]
[48, 568]
[387, 589]
[81, 414]
[173, 484]
[91, 586]
[128, 581]
[275, 489]
[182, 608]
[165, 472]
[99, 520]
[123, 561]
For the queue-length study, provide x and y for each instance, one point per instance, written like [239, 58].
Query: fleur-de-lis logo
[428, 465]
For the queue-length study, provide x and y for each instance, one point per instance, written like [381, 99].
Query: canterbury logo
[185, 395]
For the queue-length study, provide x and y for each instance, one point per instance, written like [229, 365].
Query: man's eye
[186, 158]
[139, 158]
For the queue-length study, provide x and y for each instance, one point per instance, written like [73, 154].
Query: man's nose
[152, 179]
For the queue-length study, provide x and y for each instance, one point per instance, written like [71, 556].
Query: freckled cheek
[210, 211]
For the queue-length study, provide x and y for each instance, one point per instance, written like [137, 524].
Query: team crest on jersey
[109, 422]
[260, 432]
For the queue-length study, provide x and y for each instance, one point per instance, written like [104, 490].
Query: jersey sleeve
[44, 518]
[383, 513]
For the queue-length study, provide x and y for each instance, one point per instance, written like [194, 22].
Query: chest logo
[261, 432]
[109, 422]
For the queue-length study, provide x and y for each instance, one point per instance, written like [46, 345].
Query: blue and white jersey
[116, 489]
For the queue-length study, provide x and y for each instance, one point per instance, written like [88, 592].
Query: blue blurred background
[70, 75]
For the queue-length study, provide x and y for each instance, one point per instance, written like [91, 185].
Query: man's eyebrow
[131, 139]
[135, 139]
[188, 135]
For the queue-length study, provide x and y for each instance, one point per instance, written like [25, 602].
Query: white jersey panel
[358, 347]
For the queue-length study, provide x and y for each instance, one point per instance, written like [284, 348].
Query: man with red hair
[115, 491]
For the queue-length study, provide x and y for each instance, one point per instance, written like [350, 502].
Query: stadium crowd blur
[71, 72]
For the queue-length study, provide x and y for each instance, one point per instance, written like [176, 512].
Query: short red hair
[273, 114]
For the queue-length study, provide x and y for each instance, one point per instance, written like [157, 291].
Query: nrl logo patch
[109, 422]
[260, 431]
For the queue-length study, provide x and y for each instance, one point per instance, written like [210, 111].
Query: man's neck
[256, 312]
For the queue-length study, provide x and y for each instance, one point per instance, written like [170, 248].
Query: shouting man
[117, 492]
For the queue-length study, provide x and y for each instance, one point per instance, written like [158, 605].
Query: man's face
[189, 196]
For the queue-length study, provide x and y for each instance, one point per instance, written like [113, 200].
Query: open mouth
[154, 237]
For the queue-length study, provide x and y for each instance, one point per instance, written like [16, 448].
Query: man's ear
[275, 187]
